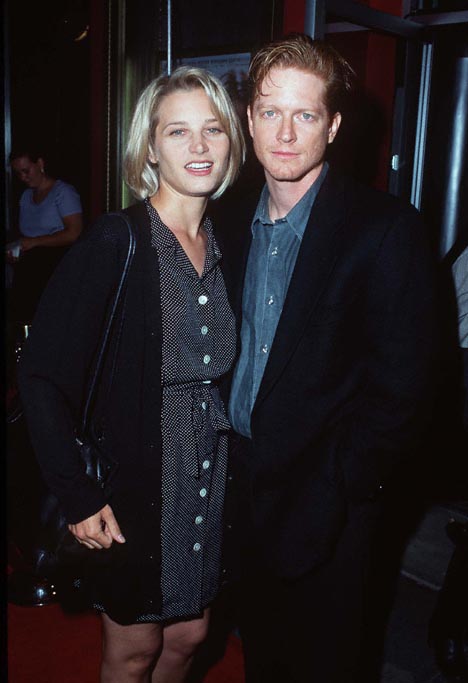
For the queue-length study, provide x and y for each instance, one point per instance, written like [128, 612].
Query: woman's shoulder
[63, 188]
[113, 228]
[26, 197]
[66, 195]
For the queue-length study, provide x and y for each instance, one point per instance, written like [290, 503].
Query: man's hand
[98, 531]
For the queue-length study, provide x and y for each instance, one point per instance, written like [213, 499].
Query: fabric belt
[208, 421]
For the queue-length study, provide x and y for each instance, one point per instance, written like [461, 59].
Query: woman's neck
[180, 214]
[43, 189]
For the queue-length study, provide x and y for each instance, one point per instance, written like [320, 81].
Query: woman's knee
[185, 637]
[133, 648]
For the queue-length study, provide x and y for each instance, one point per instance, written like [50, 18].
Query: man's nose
[286, 132]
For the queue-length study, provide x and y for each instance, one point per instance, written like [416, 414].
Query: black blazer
[346, 388]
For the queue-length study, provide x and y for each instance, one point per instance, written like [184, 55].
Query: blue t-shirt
[45, 218]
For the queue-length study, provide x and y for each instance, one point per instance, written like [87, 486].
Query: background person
[164, 420]
[50, 220]
[460, 279]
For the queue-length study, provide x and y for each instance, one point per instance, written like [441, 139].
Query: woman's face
[29, 172]
[190, 147]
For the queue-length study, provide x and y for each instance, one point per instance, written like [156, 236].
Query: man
[333, 376]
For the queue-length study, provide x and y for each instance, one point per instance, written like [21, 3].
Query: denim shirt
[271, 261]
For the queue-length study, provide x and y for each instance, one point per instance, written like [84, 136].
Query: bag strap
[106, 335]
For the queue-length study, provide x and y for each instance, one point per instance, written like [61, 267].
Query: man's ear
[334, 125]
[249, 119]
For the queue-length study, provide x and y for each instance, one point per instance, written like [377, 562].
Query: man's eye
[269, 114]
[307, 116]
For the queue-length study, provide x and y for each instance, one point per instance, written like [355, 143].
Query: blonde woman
[158, 404]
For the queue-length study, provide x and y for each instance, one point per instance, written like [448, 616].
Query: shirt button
[202, 299]
[264, 348]
[196, 547]
[204, 330]
[274, 251]
[203, 405]
[270, 300]
[198, 519]
[206, 464]
[203, 492]
[206, 359]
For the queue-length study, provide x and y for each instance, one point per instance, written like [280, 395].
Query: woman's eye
[177, 132]
[214, 130]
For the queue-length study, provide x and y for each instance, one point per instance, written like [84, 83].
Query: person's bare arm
[73, 225]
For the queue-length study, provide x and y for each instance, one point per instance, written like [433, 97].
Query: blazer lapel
[314, 265]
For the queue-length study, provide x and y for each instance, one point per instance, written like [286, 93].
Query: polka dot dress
[198, 348]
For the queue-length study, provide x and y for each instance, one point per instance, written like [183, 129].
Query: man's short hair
[299, 51]
[141, 175]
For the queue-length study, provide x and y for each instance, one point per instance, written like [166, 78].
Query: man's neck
[285, 194]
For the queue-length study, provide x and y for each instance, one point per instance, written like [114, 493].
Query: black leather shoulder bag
[57, 548]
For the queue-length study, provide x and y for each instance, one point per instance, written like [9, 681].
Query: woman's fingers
[111, 527]
[93, 532]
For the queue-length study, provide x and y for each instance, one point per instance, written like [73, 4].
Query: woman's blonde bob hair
[142, 175]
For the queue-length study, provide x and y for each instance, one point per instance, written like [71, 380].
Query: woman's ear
[152, 156]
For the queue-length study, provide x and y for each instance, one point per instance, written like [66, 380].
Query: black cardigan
[55, 364]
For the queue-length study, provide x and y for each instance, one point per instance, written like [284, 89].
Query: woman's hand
[98, 531]
[28, 243]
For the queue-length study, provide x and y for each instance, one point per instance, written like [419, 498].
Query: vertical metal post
[6, 176]
[169, 37]
[108, 106]
[314, 22]
[456, 160]
[421, 128]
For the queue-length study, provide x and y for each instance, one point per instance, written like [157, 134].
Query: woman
[158, 407]
[50, 210]
[50, 220]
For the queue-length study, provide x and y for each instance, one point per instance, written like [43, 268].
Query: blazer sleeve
[57, 359]
[399, 360]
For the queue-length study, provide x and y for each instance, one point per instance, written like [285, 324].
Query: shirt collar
[298, 216]
[163, 238]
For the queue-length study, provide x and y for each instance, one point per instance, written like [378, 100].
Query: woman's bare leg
[129, 652]
[180, 641]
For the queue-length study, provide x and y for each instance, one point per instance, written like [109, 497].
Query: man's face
[290, 125]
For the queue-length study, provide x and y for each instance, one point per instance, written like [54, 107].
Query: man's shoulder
[364, 201]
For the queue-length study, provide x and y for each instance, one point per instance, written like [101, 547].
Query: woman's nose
[198, 144]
